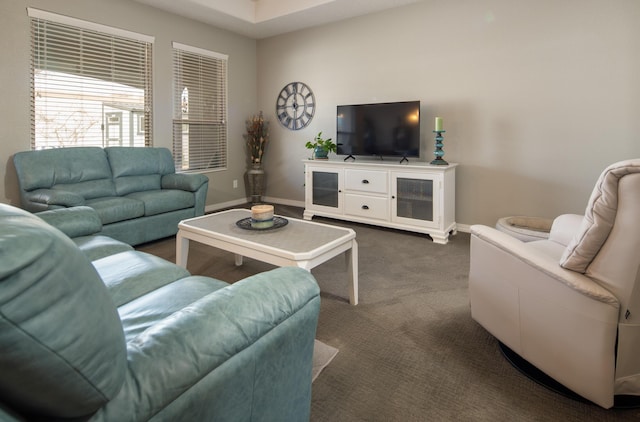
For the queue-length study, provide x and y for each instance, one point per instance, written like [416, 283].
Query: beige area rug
[323, 354]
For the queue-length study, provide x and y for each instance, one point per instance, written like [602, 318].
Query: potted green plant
[321, 147]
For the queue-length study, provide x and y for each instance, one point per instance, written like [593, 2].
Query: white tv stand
[414, 196]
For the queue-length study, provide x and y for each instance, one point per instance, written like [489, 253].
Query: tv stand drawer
[373, 181]
[366, 206]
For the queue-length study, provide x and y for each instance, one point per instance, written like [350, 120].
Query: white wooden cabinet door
[415, 199]
[324, 189]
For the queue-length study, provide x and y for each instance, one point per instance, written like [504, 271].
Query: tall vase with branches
[257, 137]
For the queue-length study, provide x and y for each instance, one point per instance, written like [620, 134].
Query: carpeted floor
[410, 350]
[323, 354]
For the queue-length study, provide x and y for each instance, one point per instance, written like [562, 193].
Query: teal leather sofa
[91, 329]
[136, 191]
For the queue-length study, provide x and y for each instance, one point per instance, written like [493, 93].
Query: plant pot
[320, 153]
[255, 182]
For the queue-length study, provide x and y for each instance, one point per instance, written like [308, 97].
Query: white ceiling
[266, 18]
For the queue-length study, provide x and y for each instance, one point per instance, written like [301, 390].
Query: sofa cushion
[599, 217]
[96, 247]
[46, 168]
[128, 184]
[89, 189]
[81, 170]
[63, 349]
[166, 200]
[114, 209]
[130, 161]
[129, 275]
[133, 161]
[147, 310]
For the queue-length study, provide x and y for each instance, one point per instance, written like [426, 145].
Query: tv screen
[383, 129]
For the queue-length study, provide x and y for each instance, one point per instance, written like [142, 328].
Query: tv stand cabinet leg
[440, 238]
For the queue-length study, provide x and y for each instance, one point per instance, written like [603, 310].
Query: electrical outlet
[235, 183]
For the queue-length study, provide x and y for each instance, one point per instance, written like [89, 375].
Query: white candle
[438, 124]
[262, 216]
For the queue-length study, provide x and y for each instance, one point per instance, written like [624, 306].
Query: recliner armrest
[189, 182]
[186, 348]
[74, 221]
[531, 256]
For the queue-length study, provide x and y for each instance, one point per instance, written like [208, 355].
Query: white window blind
[90, 84]
[199, 108]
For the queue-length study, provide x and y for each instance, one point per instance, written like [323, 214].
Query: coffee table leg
[352, 260]
[238, 260]
[182, 250]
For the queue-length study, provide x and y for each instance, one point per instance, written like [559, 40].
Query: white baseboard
[266, 199]
[223, 205]
[464, 228]
[282, 201]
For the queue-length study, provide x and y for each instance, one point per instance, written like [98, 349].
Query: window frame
[73, 72]
[216, 156]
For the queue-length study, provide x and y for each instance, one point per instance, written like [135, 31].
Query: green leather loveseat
[136, 191]
[91, 329]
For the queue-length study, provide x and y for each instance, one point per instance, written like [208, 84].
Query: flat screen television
[382, 129]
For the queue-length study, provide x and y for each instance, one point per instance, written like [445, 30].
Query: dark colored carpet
[410, 350]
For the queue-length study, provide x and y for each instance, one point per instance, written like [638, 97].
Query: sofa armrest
[565, 227]
[228, 345]
[523, 254]
[74, 221]
[54, 197]
[190, 182]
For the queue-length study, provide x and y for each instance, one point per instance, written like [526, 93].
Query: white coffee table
[300, 243]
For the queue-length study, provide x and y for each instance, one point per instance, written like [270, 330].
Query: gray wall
[132, 16]
[537, 96]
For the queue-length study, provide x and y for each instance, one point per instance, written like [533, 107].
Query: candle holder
[439, 153]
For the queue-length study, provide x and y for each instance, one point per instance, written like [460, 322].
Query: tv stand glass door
[323, 188]
[413, 199]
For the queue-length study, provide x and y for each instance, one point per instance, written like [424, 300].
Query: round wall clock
[295, 105]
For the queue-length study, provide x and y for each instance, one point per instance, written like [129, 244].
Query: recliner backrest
[607, 246]
[616, 265]
[62, 342]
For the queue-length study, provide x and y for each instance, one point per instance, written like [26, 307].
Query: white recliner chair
[570, 304]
